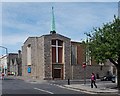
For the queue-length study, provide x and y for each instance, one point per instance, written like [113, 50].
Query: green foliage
[105, 41]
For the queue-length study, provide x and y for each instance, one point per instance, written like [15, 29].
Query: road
[16, 86]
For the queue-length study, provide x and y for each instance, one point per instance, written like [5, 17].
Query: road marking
[44, 90]
[69, 88]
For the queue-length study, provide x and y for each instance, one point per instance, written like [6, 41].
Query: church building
[54, 56]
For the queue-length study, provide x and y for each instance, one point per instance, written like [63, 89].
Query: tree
[104, 44]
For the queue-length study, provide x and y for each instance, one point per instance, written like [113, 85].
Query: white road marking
[44, 90]
[73, 89]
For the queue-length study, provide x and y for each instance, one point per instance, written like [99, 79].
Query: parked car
[107, 78]
[114, 78]
[10, 73]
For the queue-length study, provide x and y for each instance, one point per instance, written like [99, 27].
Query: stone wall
[24, 58]
[37, 57]
[78, 72]
[67, 55]
[41, 59]
[41, 56]
[48, 55]
[32, 41]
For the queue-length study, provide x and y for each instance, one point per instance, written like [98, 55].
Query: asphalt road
[16, 86]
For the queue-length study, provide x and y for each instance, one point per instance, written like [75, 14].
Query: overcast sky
[21, 20]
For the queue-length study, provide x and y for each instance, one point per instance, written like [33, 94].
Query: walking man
[93, 79]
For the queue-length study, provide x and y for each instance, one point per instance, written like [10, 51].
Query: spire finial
[53, 22]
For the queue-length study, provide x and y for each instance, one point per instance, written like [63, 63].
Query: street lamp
[6, 55]
[5, 49]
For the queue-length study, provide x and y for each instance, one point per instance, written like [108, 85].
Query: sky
[21, 20]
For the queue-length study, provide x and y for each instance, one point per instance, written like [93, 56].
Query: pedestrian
[2, 76]
[93, 79]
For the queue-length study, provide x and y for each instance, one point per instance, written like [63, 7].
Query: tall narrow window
[73, 54]
[53, 54]
[57, 51]
[29, 54]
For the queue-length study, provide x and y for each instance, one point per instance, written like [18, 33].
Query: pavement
[103, 87]
[100, 89]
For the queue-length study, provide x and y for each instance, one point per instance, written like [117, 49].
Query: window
[29, 54]
[60, 43]
[54, 54]
[73, 54]
[53, 42]
[57, 51]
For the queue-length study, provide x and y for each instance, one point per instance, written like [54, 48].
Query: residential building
[3, 64]
[14, 64]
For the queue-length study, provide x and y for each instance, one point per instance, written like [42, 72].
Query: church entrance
[57, 72]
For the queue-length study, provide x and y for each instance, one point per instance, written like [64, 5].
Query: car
[10, 73]
[114, 78]
[107, 78]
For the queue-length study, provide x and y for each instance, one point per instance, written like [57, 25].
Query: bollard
[68, 81]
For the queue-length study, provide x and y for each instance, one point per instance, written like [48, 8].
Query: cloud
[34, 19]
[26, 18]
[74, 21]
[14, 39]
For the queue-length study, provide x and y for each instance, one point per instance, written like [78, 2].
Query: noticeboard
[29, 70]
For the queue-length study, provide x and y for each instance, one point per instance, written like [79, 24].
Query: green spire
[53, 22]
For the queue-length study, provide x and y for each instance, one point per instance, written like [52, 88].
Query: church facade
[54, 56]
[47, 57]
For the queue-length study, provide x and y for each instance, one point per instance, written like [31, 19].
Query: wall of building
[79, 57]
[3, 64]
[37, 58]
[24, 61]
[48, 55]
[67, 54]
[78, 53]
[19, 62]
[78, 72]
[24, 57]
[32, 42]
[41, 59]
[41, 56]
[12, 63]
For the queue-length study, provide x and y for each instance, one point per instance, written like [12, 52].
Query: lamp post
[5, 49]
[6, 55]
